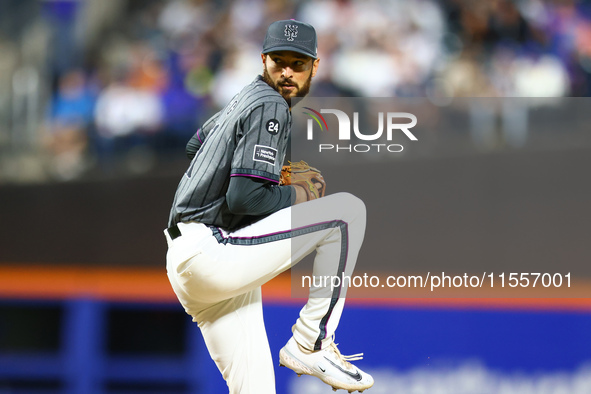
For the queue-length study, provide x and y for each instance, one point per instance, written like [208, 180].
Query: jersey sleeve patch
[273, 126]
[265, 154]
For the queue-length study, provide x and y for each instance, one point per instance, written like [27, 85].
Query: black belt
[174, 232]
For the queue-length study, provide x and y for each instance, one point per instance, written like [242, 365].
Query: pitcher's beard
[301, 91]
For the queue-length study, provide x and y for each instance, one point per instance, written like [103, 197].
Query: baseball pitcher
[234, 226]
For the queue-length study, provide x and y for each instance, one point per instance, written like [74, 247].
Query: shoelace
[345, 359]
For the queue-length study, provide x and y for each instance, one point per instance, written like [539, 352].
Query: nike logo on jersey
[356, 376]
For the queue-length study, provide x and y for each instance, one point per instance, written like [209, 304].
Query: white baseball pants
[217, 277]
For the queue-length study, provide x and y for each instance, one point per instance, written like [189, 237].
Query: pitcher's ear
[315, 67]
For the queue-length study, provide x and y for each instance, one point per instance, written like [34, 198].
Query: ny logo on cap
[291, 32]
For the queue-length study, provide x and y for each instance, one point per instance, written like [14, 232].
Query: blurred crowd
[123, 84]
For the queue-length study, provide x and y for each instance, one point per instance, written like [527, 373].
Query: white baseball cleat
[329, 365]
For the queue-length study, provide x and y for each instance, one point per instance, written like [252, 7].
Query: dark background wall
[117, 222]
[500, 209]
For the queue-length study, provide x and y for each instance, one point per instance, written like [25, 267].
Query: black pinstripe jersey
[246, 138]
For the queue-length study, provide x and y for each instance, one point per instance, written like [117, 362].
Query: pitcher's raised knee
[351, 206]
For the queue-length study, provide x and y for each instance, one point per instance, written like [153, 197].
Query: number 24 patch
[273, 126]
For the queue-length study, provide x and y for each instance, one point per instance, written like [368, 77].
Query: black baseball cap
[291, 35]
